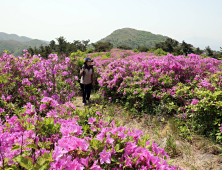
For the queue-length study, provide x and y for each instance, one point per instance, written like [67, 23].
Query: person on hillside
[87, 80]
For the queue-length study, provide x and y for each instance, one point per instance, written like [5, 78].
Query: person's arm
[82, 71]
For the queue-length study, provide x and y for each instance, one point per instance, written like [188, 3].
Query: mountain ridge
[15, 44]
[6, 36]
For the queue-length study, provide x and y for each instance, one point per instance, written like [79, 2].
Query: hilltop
[133, 38]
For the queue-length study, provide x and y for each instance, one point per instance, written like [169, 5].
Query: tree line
[174, 47]
[169, 45]
[63, 47]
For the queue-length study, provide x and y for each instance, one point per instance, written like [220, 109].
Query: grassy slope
[133, 38]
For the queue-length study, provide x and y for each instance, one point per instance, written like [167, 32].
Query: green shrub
[124, 47]
[78, 53]
[108, 54]
[104, 57]
[135, 50]
[158, 52]
[151, 50]
[197, 109]
[80, 62]
[143, 49]
[97, 54]
[89, 51]
[102, 46]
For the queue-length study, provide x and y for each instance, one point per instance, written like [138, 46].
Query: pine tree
[52, 45]
[62, 45]
[209, 51]
[186, 48]
[198, 51]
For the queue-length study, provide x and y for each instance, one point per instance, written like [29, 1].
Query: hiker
[87, 80]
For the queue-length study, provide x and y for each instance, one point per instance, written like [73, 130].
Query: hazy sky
[95, 19]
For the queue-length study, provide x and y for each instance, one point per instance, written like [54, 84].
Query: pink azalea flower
[129, 148]
[194, 101]
[76, 78]
[121, 135]
[93, 129]
[2, 110]
[3, 97]
[154, 159]
[85, 161]
[105, 157]
[9, 97]
[98, 113]
[75, 165]
[109, 140]
[95, 167]
[58, 153]
[100, 136]
[65, 73]
[42, 107]
[91, 120]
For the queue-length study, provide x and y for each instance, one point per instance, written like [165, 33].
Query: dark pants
[86, 94]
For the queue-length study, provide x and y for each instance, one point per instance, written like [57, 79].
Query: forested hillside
[15, 44]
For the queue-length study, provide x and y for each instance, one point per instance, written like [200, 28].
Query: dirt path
[78, 103]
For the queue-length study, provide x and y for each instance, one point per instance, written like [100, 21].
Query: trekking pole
[84, 89]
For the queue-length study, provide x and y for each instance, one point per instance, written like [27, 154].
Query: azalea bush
[41, 129]
[30, 78]
[70, 139]
[202, 109]
[174, 85]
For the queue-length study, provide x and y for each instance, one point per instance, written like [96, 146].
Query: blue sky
[189, 20]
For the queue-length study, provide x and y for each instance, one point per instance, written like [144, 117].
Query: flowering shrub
[41, 129]
[84, 142]
[28, 79]
[172, 84]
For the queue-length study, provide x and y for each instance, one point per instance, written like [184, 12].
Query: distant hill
[15, 44]
[133, 38]
[16, 47]
[5, 36]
